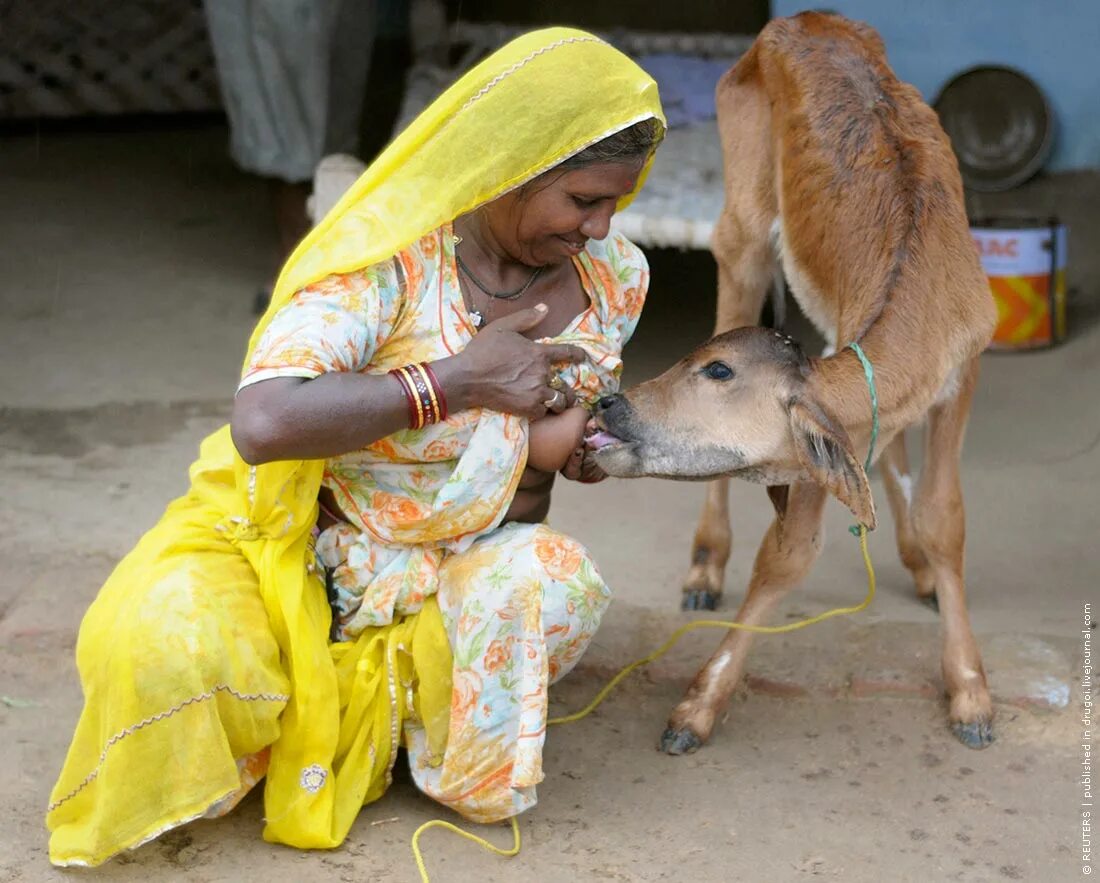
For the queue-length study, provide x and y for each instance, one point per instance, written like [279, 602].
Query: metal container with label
[1025, 261]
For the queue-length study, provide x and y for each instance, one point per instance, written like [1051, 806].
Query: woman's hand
[502, 370]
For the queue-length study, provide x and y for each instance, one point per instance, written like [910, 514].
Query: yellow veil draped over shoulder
[540, 99]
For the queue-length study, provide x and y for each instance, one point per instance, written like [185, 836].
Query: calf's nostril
[607, 403]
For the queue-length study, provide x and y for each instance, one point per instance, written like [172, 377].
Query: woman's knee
[572, 591]
[574, 597]
[557, 558]
[565, 560]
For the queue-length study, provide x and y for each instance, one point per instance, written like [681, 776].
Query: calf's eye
[718, 371]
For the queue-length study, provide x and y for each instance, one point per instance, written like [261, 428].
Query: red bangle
[443, 410]
[423, 394]
[416, 417]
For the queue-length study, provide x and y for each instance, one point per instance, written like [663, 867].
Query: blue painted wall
[1055, 42]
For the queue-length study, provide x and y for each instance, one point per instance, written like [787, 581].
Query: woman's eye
[718, 371]
[584, 203]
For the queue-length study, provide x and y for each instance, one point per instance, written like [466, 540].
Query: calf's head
[740, 405]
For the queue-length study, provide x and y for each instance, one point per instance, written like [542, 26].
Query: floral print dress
[520, 602]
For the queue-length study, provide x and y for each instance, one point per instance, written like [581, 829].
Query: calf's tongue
[601, 439]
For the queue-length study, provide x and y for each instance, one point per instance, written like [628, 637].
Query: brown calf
[844, 173]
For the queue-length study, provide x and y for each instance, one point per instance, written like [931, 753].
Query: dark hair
[634, 142]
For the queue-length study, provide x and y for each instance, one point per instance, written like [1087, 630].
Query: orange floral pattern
[560, 557]
[497, 655]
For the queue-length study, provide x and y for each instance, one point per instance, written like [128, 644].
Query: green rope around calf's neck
[869, 375]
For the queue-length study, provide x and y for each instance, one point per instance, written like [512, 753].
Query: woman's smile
[574, 243]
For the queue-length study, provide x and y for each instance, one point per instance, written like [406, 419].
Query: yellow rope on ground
[739, 626]
[480, 841]
[653, 657]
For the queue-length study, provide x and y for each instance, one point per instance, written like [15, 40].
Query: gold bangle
[419, 407]
[431, 392]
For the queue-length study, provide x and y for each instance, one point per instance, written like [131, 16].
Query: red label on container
[990, 247]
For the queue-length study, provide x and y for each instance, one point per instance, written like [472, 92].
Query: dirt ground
[129, 261]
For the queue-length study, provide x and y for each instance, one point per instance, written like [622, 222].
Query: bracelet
[423, 394]
[443, 410]
[416, 413]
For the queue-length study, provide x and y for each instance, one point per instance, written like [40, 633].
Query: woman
[360, 562]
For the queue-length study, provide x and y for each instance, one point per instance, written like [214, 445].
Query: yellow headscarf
[542, 98]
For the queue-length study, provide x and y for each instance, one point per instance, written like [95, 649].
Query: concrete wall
[1054, 43]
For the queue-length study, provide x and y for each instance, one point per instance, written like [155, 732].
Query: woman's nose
[597, 225]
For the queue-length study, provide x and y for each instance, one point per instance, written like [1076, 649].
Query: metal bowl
[1000, 125]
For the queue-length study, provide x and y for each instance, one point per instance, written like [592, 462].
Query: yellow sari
[542, 98]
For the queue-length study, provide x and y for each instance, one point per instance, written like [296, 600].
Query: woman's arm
[292, 418]
[288, 418]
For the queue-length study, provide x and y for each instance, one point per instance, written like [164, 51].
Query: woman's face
[550, 219]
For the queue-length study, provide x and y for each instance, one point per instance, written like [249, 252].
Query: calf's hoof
[680, 741]
[703, 584]
[699, 599]
[977, 734]
[971, 713]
